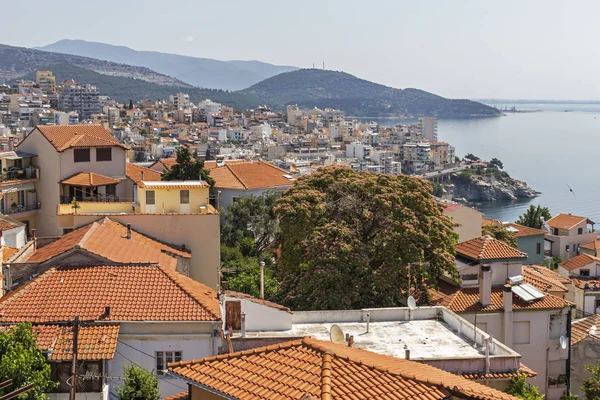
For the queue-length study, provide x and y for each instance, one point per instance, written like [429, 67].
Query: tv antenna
[336, 335]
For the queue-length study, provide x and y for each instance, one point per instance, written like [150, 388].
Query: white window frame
[164, 357]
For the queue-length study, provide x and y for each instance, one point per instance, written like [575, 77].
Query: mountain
[358, 97]
[16, 62]
[201, 72]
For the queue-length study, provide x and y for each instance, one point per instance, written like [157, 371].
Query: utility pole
[74, 364]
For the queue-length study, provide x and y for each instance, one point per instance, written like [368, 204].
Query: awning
[19, 155]
[19, 188]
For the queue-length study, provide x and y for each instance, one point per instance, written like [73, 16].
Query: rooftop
[579, 261]
[64, 137]
[594, 246]
[583, 329]
[250, 175]
[544, 279]
[89, 179]
[172, 184]
[566, 221]
[523, 231]
[134, 172]
[487, 248]
[310, 367]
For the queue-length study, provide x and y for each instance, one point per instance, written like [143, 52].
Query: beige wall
[559, 243]
[200, 233]
[167, 199]
[469, 220]
[201, 394]
[114, 168]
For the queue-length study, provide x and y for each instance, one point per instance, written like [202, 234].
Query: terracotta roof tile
[312, 368]
[250, 175]
[467, 300]
[172, 184]
[8, 252]
[108, 238]
[580, 329]
[594, 246]
[566, 221]
[134, 293]
[579, 261]
[178, 396]
[63, 137]
[7, 223]
[240, 295]
[212, 164]
[487, 248]
[543, 279]
[134, 172]
[89, 179]
[489, 221]
[581, 282]
[523, 371]
[523, 231]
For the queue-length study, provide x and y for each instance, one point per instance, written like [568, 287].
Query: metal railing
[14, 174]
[22, 208]
[95, 198]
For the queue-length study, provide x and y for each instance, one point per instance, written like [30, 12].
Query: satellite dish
[564, 341]
[412, 304]
[336, 335]
[593, 330]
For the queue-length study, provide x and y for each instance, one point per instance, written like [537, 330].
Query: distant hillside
[123, 89]
[359, 97]
[16, 62]
[201, 72]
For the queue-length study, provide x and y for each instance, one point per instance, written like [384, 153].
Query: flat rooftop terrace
[426, 339]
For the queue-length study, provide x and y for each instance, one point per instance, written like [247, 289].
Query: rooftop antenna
[336, 335]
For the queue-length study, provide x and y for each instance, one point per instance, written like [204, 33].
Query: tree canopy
[23, 362]
[187, 169]
[347, 239]
[495, 163]
[500, 232]
[518, 387]
[471, 157]
[139, 384]
[533, 217]
[591, 384]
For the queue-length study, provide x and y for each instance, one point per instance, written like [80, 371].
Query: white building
[429, 129]
[208, 107]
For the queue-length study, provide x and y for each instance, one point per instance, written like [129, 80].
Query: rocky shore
[468, 187]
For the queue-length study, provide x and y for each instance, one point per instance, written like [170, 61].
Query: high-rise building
[84, 99]
[428, 127]
[45, 80]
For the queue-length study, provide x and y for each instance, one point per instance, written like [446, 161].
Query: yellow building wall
[167, 200]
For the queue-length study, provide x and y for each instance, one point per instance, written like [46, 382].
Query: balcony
[13, 174]
[20, 210]
[89, 207]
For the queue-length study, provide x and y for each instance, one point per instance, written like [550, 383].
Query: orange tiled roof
[594, 246]
[580, 282]
[250, 175]
[212, 164]
[173, 184]
[566, 221]
[309, 367]
[487, 248]
[134, 172]
[240, 295]
[134, 292]
[579, 261]
[89, 179]
[166, 162]
[580, 329]
[178, 396]
[543, 279]
[7, 223]
[524, 371]
[489, 221]
[467, 300]
[8, 252]
[108, 239]
[63, 137]
[523, 231]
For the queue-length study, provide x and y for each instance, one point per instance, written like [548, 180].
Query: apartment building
[46, 81]
[567, 233]
[429, 128]
[83, 99]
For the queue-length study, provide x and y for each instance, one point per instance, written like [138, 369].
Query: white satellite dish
[564, 341]
[412, 304]
[336, 335]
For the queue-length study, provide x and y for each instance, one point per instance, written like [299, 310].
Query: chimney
[508, 315]
[142, 175]
[485, 285]
[407, 354]
[34, 239]
[128, 231]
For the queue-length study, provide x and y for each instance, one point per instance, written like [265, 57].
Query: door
[233, 315]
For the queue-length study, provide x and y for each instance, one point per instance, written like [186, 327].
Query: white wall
[15, 237]
[114, 168]
[263, 318]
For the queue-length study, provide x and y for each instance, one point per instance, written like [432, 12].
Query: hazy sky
[542, 49]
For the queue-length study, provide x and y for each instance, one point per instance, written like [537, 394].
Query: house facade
[468, 220]
[584, 273]
[567, 233]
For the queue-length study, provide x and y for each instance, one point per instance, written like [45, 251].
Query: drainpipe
[569, 316]
[243, 325]
[508, 316]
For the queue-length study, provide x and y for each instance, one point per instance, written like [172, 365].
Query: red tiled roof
[7, 223]
[579, 261]
[524, 371]
[250, 175]
[173, 184]
[594, 246]
[63, 137]
[543, 279]
[8, 252]
[489, 221]
[108, 238]
[580, 283]
[133, 292]
[487, 248]
[178, 396]
[312, 368]
[566, 221]
[89, 179]
[523, 231]
[580, 329]
[134, 172]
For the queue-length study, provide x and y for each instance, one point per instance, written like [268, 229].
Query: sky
[510, 49]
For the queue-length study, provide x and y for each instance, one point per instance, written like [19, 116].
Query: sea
[553, 150]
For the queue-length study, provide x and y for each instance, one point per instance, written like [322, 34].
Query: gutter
[201, 386]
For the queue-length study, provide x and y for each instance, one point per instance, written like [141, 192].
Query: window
[568, 247]
[521, 332]
[580, 231]
[104, 154]
[584, 272]
[555, 231]
[184, 196]
[163, 358]
[67, 230]
[111, 190]
[538, 248]
[150, 197]
[469, 277]
[81, 155]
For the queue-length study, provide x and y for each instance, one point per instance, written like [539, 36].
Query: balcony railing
[95, 198]
[21, 208]
[15, 174]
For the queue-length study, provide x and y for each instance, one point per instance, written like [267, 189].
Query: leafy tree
[348, 237]
[471, 157]
[438, 190]
[569, 396]
[187, 169]
[495, 163]
[244, 276]
[24, 363]
[500, 232]
[555, 261]
[591, 384]
[131, 104]
[518, 387]
[251, 217]
[139, 384]
[533, 216]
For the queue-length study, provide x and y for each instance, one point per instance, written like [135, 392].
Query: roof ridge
[236, 176]
[326, 373]
[87, 235]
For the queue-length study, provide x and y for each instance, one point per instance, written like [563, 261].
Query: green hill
[358, 97]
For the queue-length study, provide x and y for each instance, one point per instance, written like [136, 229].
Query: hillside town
[217, 251]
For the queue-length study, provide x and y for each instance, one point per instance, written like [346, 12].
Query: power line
[136, 364]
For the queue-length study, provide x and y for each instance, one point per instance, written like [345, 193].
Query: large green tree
[499, 232]
[533, 216]
[139, 384]
[518, 387]
[187, 169]
[347, 239]
[23, 362]
[591, 384]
